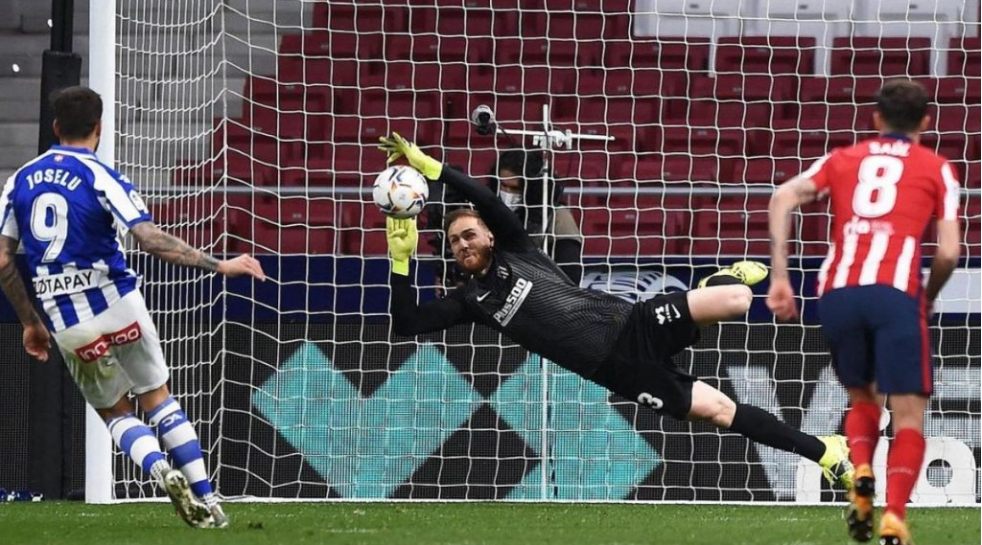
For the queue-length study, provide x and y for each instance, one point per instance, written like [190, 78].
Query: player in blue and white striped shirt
[68, 211]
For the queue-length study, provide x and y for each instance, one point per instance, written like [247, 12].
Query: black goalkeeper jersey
[524, 295]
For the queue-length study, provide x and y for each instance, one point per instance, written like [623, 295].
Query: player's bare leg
[726, 295]
[863, 430]
[712, 405]
[903, 465]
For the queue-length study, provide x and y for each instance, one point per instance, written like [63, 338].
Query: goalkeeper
[627, 348]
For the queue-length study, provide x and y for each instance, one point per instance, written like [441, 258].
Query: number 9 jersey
[883, 193]
[68, 210]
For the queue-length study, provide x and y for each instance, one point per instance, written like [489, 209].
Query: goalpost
[251, 126]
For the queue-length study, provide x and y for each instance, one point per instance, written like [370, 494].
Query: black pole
[62, 24]
[50, 453]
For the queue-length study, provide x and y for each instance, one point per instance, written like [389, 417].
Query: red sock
[862, 431]
[903, 468]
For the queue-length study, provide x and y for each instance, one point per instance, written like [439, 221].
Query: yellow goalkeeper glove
[396, 146]
[402, 237]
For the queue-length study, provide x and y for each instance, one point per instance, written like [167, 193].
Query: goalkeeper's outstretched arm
[408, 318]
[499, 218]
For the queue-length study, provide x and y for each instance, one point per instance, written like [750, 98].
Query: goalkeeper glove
[402, 237]
[396, 146]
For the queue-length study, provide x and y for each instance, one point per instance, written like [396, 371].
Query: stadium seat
[830, 116]
[672, 169]
[731, 101]
[251, 154]
[701, 142]
[530, 80]
[675, 54]
[336, 45]
[362, 229]
[956, 90]
[849, 89]
[952, 145]
[580, 26]
[542, 52]
[973, 175]
[954, 117]
[286, 225]
[361, 18]
[769, 55]
[964, 58]
[766, 170]
[814, 219]
[876, 56]
[635, 226]
[613, 109]
[972, 227]
[732, 227]
[198, 220]
[638, 83]
[807, 145]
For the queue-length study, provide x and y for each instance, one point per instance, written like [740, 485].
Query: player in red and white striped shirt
[884, 193]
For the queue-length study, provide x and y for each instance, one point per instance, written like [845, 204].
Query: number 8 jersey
[68, 210]
[883, 192]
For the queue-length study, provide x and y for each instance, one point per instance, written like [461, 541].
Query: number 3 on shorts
[53, 230]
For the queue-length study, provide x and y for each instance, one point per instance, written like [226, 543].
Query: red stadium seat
[771, 55]
[952, 118]
[667, 53]
[672, 169]
[288, 225]
[701, 142]
[829, 116]
[964, 57]
[814, 218]
[732, 227]
[198, 220]
[972, 226]
[525, 80]
[731, 101]
[363, 18]
[554, 53]
[251, 154]
[613, 109]
[880, 56]
[850, 89]
[634, 226]
[336, 45]
[363, 229]
[956, 90]
[766, 170]
[808, 145]
[973, 176]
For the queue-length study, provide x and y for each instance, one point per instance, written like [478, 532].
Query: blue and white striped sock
[181, 442]
[134, 438]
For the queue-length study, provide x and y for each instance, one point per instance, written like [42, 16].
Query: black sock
[722, 280]
[763, 427]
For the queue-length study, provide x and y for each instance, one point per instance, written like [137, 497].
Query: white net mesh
[256, 121]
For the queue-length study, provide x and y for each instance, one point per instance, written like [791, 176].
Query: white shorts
[114, 353]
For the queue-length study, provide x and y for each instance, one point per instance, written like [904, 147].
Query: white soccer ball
[400, 191]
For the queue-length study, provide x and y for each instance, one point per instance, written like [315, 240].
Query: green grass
[461, 523]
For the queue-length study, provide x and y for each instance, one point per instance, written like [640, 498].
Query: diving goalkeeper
[627, 348]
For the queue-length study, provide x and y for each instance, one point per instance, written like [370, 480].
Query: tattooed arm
[174, 250]
[788, 197]
[37, 340]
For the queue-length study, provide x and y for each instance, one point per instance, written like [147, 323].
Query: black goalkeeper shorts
[640, 368]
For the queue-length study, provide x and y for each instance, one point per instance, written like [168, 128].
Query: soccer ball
[400, 192]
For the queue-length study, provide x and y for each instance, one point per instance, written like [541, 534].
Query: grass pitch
[461, 523]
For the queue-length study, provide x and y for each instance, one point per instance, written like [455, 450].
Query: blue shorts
[878, 334]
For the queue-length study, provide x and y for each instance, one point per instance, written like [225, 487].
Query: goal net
[253, 126]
